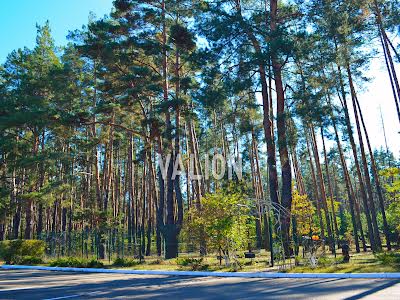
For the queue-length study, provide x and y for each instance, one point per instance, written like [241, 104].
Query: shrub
[249, 263]
[73, 262]
[125, 262]
[325, 261]
[31, 261]
[389, 258]
[16, 251]
[194, 263]
[156, 262]
[183, 261]
[223, 223]
[94, 264]
[67, 262]
[297, 260]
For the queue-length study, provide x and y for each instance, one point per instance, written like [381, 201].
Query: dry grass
[359, 263]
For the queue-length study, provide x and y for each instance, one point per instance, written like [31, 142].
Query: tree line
[85, 127]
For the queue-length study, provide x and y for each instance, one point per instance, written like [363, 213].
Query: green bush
[196, 264]
[183, 261]
[18, 251]
[389, 258]
[31, 261]
[156, 262]
[94, 264]
[67, 262]
[125, 262]
[325, 261]
[73, 262]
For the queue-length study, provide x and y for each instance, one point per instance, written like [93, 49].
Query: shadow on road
[50, 285]
[374, 290]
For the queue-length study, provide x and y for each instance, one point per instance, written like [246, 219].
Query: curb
[213, 274]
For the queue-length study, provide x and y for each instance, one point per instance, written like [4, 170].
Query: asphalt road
[33, 285]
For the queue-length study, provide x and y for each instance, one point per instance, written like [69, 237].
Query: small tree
[392, 190]
[392, 187]
[304, 211]
[224, 222]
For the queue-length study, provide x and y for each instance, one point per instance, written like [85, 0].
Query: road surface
[33, 285]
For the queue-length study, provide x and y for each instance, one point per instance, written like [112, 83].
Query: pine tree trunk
[322, 189]
[349, 188]
[177, 152]
[256, 194]
[329, 185]
[388, 58]
[149, 204]
[377, 180]
[315, 185]
[267, 120]
[286, 191]
[358, 214]
[131, 193]
[29, 203]
[259, 183]
[198, 191]
[17, 221]
[95, 150]
[169, 230]
[377, 239]
[161, 200]
[42, 171]
[356, 162]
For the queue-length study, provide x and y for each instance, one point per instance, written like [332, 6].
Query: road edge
[210, 274]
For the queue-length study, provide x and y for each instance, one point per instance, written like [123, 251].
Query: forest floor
[193, 262]
[359, 263]
[364, 262]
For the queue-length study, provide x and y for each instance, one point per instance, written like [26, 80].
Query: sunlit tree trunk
[377, 240]
[322, 188]
[349, 188]
[356, 160]
[328, 177]
[377, 180]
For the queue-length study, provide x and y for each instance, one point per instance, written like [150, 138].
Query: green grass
[359, 263]
[209, 263]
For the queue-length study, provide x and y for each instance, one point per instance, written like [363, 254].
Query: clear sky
[378, 94]
[19, 17]
[17, 29]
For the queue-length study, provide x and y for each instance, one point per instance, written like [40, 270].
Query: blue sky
[17, 29]
[18, 19]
